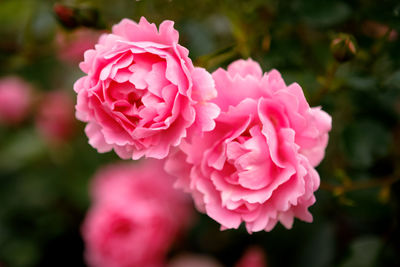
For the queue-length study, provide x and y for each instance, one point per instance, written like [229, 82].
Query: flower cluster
[246, 143]
[53, 111]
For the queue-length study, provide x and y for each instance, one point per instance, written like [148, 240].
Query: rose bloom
[135, 217]
[15, 100]
[253, 257]
[257, 166]
[72, 45]
[55, 117]
[142, 94]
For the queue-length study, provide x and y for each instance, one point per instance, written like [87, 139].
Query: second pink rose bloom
[141, 93]
[257, 166]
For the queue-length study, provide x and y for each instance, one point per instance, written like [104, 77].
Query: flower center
[121, 227]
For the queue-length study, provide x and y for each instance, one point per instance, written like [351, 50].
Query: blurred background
[344, 54]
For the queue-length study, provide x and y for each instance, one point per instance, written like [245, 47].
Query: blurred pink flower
[55, 117]
[378, 30]
[142, 94]
[135, 217]
[193, 260]
[253, 257]
[257, 165]
[15, 100]
[72, 45]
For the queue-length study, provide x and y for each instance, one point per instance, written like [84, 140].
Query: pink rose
[257, 165]
[135, 217]
[142, 94]
[55, 117]
[253, 257]
[15, 100]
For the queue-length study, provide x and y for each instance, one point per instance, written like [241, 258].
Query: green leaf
[319, 250]
[364, 252]
[324, 13]
[365, 141]
[393, 80]
[23, 147]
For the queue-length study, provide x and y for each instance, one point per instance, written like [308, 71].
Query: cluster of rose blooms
[243, 143]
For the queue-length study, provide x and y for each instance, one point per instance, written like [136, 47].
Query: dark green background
[43, 190]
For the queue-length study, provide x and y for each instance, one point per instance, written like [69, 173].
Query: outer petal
[96, 138]
[203, 85]
[245, 68]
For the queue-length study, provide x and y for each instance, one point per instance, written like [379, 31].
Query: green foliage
[43, 192]
[364, 252]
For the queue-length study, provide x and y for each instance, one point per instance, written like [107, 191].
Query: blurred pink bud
[253, 257]
[72, 16]
[378, 30]
[55, 117]
[65, 15]
[135, 217]
[15, 100]
[343, 47]
[193, 260]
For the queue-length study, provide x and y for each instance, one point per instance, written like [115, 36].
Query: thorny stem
[381, 42]
[215, 59]
[330, 75]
